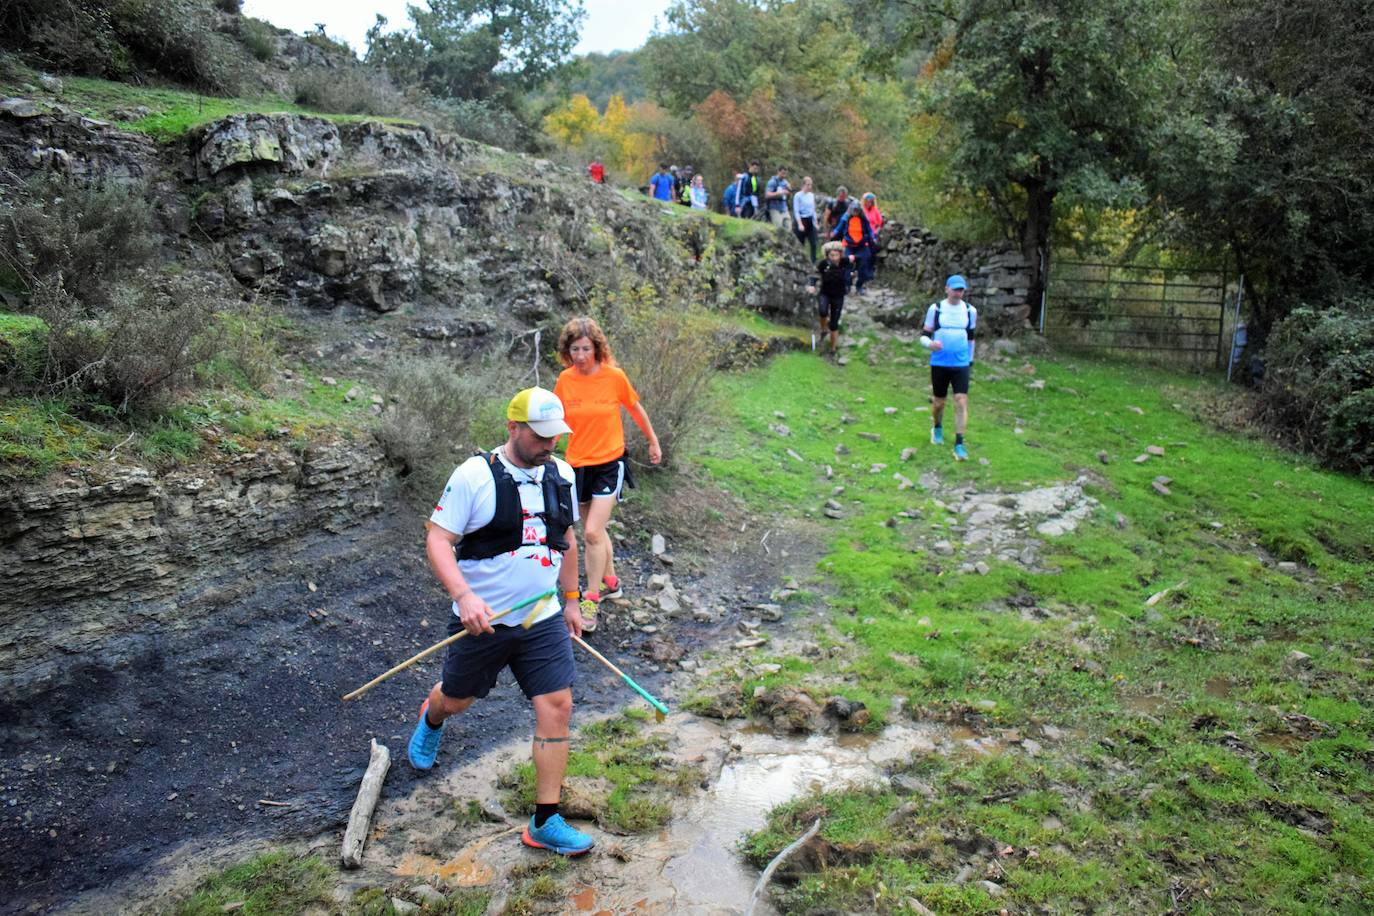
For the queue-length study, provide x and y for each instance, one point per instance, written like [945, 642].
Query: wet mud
[231, 730]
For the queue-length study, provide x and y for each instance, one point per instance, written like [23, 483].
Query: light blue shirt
[804, 204]
[955, 323]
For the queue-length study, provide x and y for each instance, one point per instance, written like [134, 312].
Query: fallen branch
[275, 804]
[781, 857]
[361, 816]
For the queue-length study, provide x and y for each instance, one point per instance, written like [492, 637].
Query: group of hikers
[504, 529]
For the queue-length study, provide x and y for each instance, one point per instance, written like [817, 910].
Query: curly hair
[580, 327]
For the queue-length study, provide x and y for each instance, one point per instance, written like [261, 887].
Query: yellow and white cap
[541, 410]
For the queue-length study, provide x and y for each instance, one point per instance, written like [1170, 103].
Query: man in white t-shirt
[510, 514]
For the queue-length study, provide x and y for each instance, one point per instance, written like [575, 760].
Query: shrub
[229, 6]
[349, 90]
[668, 354]
[87, 236]
[1318, 386]
[176, 39]
[259, 37]
[436, 416]
[137, 352]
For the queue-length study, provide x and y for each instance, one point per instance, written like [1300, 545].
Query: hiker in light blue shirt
[949, 327]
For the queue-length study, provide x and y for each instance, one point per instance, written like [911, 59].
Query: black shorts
[541, 658]
[830, 307]
[941, 377]
[604, 480]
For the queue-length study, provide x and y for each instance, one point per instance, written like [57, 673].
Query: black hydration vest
[505, 531]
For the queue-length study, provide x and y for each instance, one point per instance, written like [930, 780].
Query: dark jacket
[830, 278]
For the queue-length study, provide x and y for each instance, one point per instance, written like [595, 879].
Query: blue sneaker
[937, 436]
[424, 741]
[960, 453]
[557, 835]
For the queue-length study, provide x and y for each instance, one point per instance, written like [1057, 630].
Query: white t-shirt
[469, 503]
[956, 321]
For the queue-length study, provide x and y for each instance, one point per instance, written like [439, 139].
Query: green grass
[39, 435]
[277, 882]
[636, 765]
[173, 111]
[1203, 790]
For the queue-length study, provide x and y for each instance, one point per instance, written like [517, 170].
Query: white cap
[541, 410]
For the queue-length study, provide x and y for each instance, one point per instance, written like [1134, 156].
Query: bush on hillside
[436, 416]
[1318, 386]
[259, 37]
[120, 39]
[87, 236]
[669, 354]
[137, 353]
[349, 90]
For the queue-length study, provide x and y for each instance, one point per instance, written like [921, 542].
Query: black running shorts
[603, 480]
[830, 307]
[541, 658]
[942, 377]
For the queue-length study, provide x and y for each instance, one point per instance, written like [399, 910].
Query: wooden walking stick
[659, 709]
[529, 619]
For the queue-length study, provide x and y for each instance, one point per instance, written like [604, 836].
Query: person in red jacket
[597, 171]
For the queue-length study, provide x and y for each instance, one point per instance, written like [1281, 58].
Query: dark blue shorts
[541, 658]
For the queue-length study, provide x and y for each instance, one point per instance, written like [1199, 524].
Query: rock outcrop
[85, 559]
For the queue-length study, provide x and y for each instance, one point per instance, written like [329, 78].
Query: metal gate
[1131, 307]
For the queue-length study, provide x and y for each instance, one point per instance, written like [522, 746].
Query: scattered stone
[908, 453]
[666, 559]
[993, 888]
[1287, 567]
[1141, 459]
[772, 613]
[841, 450]
[842, 361]
[427, 894]
[668, 601]
[1156, 450]
[871, 437]
[943, 548]
[889, 410]
[328, 380]
[780, 415]
[780, 428]
[1036, 385]
[1104, 458]
[20, 108]
[904, 784]
[903, 482]
[725, 703]
[982, 568]
[903, 813]
[833, 513]
[657, 545]
[790, 708]
[831, 504]
[404, 907]
[876, 468]
[792, 453]
[494, 811]
[986, 705]
[1159, 488]
[984, 462]
[1119, 521]
[1299, 659]
[658, 580]
[1135, 410]
[752, 643]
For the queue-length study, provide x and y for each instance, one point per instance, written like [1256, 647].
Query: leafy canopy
[478, 49]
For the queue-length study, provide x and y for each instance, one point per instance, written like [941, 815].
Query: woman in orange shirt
[593, 389]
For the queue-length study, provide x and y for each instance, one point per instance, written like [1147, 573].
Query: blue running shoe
[937, 436]
[424, 741]
[557, 835]
[960, 453]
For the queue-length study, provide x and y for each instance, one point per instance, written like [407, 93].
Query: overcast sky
[610, 25]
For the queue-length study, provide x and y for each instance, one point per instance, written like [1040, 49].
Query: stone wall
[998, 275]
[87, 557]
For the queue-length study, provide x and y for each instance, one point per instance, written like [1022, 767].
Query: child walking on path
[829, 289]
